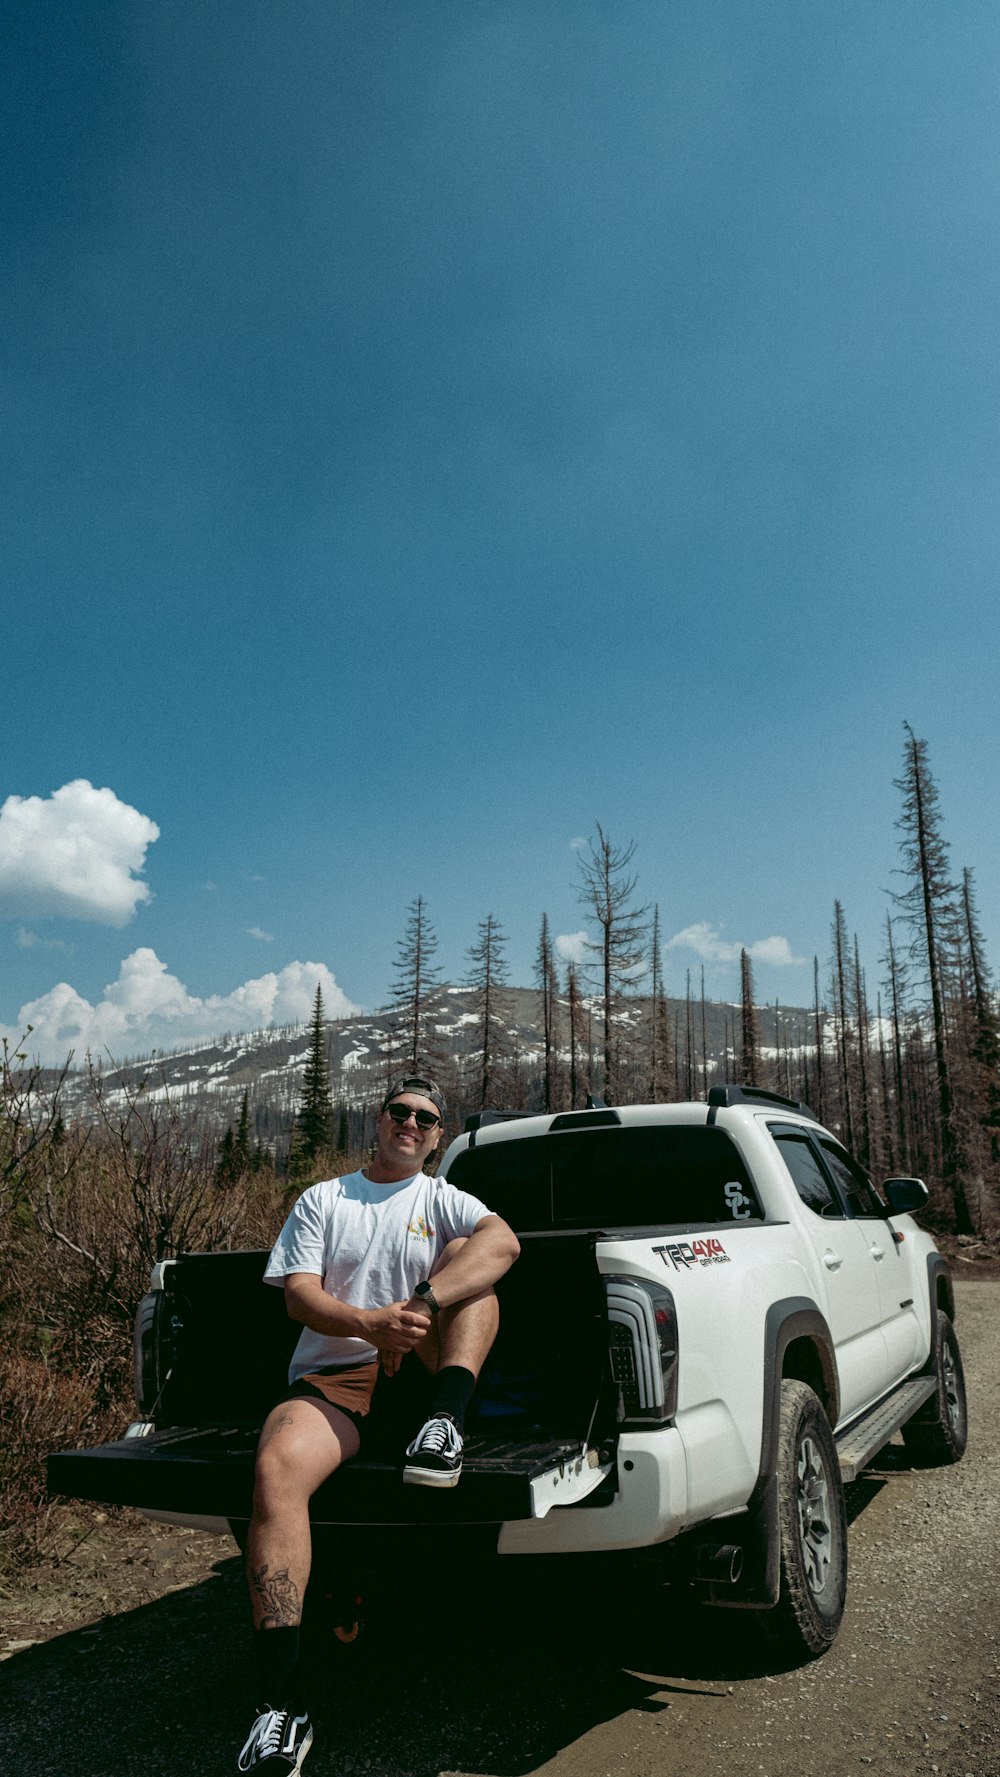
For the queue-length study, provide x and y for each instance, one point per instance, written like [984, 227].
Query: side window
[857, 1187]
[808, 1176]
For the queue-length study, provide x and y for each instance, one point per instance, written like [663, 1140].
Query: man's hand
[396, 1330]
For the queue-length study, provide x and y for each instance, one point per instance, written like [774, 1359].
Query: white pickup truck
[715, 1322]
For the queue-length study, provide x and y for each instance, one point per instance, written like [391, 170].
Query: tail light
[642, 1334]
[147, 1349]
[159, 1326]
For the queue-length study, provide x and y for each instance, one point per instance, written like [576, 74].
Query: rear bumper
[649, 1504]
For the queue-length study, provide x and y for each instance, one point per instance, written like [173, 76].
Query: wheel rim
[952, 1392]
[815, 1517]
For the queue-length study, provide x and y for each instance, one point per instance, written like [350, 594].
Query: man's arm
[395, 1328]
[489, 1251]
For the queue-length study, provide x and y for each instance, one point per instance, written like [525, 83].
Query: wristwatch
[426, 1294]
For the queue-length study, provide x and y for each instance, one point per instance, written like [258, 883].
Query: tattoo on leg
[278, 1595]
[271, 1431]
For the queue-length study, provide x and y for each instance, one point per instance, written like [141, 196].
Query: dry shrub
[40, 1411]
[88, 1211]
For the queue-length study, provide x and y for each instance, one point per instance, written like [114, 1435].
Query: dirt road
[544, 1674]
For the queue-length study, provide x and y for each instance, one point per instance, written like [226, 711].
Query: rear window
[601, 1178]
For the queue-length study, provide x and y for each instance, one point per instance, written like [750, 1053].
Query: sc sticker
[740, 1206]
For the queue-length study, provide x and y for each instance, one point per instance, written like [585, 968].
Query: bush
[40, 1411]
[88, 1210]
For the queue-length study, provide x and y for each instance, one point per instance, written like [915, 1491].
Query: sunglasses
[401, 1113]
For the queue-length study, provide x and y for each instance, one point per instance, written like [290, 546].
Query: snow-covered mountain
[208, 1081]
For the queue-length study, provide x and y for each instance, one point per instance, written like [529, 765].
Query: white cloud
[577, 844]
[148, 1008]
[572, 946]
[776, 951]
[29, 940]
[74, 854]
[704, 939]
[258, 932]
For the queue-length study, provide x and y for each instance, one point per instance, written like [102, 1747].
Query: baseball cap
[417, 1083]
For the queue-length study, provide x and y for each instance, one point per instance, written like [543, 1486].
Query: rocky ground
[124, 1655]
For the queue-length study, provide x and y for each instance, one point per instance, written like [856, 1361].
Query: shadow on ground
[490, 1671]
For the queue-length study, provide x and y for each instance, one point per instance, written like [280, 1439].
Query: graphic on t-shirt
[421, 1229]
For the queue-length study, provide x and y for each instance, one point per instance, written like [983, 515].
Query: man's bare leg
[466, 1330]
[454, 1349]
[303, 1442]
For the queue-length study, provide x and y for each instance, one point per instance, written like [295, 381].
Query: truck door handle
[832, 1261]
[877, 1252]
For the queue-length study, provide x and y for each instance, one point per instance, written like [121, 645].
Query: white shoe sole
[432, 1477]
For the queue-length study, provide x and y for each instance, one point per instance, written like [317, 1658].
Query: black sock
[276, 1657]
[453, 1391]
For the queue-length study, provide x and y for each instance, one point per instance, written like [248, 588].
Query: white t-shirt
[371, 1244]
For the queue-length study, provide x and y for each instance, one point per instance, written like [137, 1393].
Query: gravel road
[543, 1673]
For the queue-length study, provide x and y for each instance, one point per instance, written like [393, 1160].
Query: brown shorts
[386, 1408]
[351, 1390]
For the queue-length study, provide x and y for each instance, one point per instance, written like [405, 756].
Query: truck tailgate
[209, 1472]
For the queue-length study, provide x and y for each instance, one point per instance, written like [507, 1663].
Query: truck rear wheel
[940, 1432]
[813, 1526]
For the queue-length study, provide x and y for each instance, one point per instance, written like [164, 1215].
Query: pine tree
[658, 1040]
[545, 976]
[750, 1046]
[886, 1121]
[235, 1151]
[843, 1039]
[225, 1170]
[929, 907]
[862, 1021]
[986, 1029]
[606, 889]
[313, 1131]
[895, 983]
[576, 1034]
[487, 978]
[416, 978]
[819, 1038]
[242, 1143]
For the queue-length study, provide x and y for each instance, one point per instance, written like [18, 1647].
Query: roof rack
[721, 1096]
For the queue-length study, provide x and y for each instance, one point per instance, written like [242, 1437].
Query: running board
[861, 1441]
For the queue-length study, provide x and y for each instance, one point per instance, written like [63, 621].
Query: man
[391, 1274]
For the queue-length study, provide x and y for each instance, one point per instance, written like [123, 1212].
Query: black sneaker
[435, 1455]
[277, 1743]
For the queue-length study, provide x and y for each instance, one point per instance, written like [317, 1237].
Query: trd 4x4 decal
[682, 1254]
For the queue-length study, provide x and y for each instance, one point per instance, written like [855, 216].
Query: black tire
[940, 1431]
[813, 1527]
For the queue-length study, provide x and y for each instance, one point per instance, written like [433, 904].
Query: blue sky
[434, 429]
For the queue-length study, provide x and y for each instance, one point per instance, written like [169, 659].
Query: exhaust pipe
[718, 1564]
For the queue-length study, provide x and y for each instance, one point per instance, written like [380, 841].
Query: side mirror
[905, 1196]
